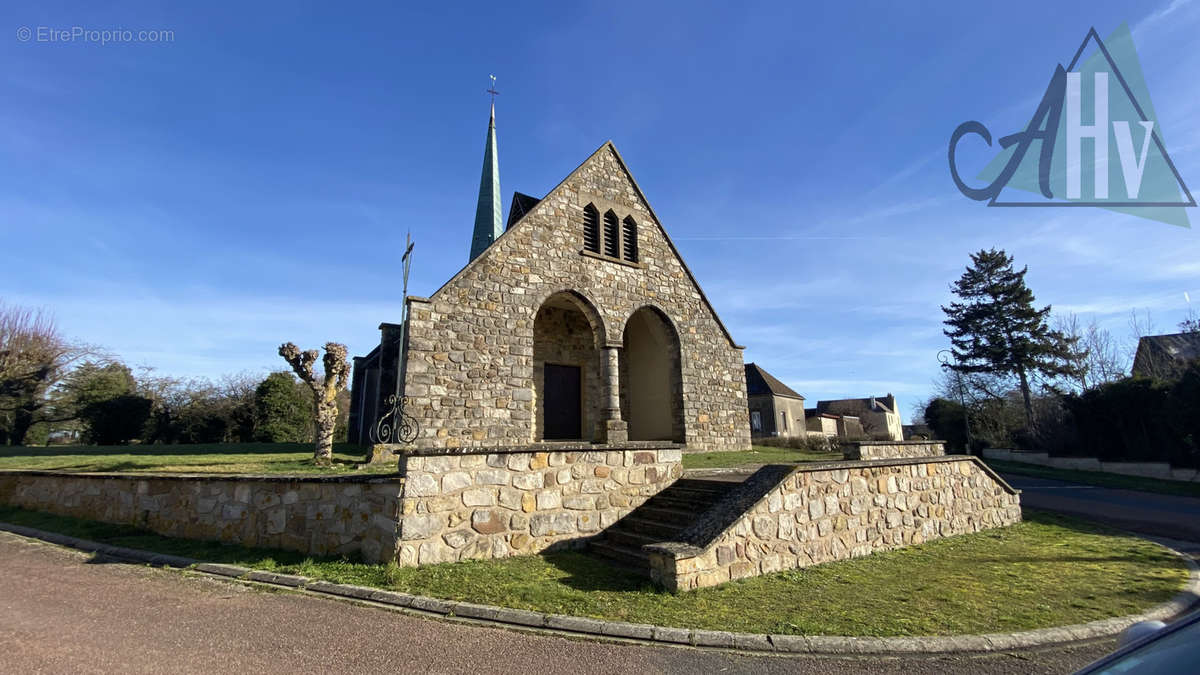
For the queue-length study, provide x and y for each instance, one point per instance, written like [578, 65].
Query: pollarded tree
[325, 390]
[994, 327]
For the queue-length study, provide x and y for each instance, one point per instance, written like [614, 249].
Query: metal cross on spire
[492, 89]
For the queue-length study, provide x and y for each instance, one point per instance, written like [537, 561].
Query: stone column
[613, 429]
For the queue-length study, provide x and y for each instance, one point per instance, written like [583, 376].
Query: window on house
[755, 421]
[783, 419]
[612, 235]
[629, 239]
[591, 229]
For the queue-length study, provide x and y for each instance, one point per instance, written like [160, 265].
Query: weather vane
[492, 90]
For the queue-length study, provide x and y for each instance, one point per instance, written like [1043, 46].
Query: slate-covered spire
[488, 224]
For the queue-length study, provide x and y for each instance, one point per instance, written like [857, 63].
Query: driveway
[1144, 512]
[63, 611]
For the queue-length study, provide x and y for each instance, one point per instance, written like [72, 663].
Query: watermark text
[100, 36]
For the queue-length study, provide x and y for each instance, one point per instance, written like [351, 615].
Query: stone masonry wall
[470, 362]
[892, 449]
[459, 507]
[845, 510]
[319, 516]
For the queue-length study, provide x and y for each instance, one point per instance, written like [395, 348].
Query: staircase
[659, 519]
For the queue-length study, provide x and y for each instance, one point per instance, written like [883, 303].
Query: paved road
[1145, 512]
[63, 611]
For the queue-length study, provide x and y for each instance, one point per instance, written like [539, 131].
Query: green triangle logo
[1093, 141]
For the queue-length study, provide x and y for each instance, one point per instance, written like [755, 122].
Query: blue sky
[192, 204]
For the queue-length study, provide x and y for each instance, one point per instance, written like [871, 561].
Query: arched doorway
[567, 386]
[651, 385]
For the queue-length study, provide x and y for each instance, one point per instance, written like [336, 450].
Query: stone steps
[660, 519]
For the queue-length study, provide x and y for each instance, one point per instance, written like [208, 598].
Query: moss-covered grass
[758, 454]
[1047, 571]
[196, 458]
[1112, 480]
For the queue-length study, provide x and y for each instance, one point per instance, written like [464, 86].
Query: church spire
[487, 211]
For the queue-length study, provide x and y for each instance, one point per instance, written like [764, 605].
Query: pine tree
[995, 328]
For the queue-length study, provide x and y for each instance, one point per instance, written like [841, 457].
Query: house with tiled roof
[879, 415]
[775, 408]
[1166, 356]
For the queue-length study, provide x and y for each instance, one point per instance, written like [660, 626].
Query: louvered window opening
[629, 239]
[591, 229]
[612, 233]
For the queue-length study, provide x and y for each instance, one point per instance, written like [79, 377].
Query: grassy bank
[1046, 571]
[1111, 480]
[293, 458]
[198, 458]
[759, 454]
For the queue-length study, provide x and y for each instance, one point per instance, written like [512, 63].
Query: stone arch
[651, 377]
[568, 336]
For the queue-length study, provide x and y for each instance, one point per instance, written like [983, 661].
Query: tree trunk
[1025, 396]
[325, 417]
[22, 421]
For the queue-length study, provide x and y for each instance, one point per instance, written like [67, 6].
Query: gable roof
[1159, 355]
[759, 381]
[608, 145]
[521, 204]
[860, 405]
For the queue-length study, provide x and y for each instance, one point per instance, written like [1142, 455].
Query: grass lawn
[294, 458]
[758, 454]
[197, 458]
[1112, 480]
[1047, 571]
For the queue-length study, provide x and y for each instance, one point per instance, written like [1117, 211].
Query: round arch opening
[651, 382]
[567, 334]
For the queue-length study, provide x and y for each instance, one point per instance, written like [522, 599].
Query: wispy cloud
[1155, 18]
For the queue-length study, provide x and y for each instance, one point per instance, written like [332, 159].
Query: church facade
[579, 322]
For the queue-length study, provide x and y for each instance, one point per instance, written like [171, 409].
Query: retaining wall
[352, 516]
[1161, 470]
[852, 450]
[784, 517]
[465, 503]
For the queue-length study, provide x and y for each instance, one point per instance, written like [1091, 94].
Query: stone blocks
[854, 450]
[315, 515]
[524, 501]
[472, 377]
[813, 515]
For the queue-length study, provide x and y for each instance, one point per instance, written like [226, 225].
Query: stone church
[574, 320]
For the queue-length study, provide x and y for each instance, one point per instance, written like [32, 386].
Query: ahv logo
[1123, 166]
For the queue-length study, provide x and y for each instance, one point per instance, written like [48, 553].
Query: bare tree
[34, 357]
[325, 390]
[1097, 358]
[1191, 322]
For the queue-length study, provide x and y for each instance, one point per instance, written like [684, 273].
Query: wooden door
[561, 402]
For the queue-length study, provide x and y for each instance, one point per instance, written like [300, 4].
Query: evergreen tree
[994, 327]
[102, 396]
[282, 410]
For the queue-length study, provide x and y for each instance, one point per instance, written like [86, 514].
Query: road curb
[663, 635]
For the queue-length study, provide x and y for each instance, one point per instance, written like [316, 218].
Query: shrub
[1132, 420]
[811, 442]
[282, 410]
[945, 419]
[118, 420]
